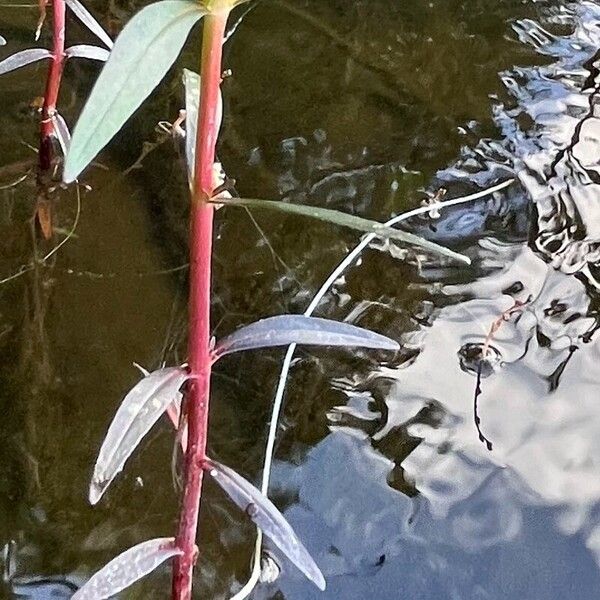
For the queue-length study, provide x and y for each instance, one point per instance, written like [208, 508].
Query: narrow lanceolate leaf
[23, 58]
[191, 81]
[127, 568]
[345, 220]
[266, 516]
[142, 54]
[139, 411]
[62, 133]
[87, 51]
[283, 330]
[82, 13]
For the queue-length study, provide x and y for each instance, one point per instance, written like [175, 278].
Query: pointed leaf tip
[82, 13]
[139, 411]
[127, 568]
[266, 516]
[140, 58]
[283, 330]
[346, 220]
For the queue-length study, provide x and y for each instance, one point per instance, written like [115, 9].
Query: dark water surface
[368, 107]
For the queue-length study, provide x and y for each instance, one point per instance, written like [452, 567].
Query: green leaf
[266, 516]
[346, 220]
[142, 54]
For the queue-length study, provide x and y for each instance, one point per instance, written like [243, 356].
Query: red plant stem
[52, 84]
[199, 351]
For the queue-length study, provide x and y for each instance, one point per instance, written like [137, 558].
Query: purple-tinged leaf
[266, 516]
[127, 568]
[23, 58]
[139, 411]
[298, 329]
[82, 13]
[173, 410]
[62, 133]
[87, 51]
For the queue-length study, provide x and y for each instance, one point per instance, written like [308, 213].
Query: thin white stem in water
[73, 228]
[285, 368]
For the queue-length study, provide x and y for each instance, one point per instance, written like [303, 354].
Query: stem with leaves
[51, 124]
[199, 350]
[43, 209]
[142, 55]
[55, 71]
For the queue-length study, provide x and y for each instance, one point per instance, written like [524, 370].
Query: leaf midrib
[193, 9]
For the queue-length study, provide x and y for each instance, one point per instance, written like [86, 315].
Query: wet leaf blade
[87, 51]
[23, 58]
[62, 133]
[351, 221]
[283, 330]
[82, 13]
[266, 516]
[191, 82]
[127, 568]
[139, 411]
[143, 53]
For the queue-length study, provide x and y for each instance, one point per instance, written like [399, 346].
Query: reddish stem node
[199, 342]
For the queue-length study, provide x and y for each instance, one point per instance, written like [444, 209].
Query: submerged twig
[477, 419]
[516, 308]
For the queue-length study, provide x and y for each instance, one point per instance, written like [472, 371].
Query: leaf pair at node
[32, 55]
[151, 397]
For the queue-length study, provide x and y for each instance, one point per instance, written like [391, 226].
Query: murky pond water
[367, 107]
